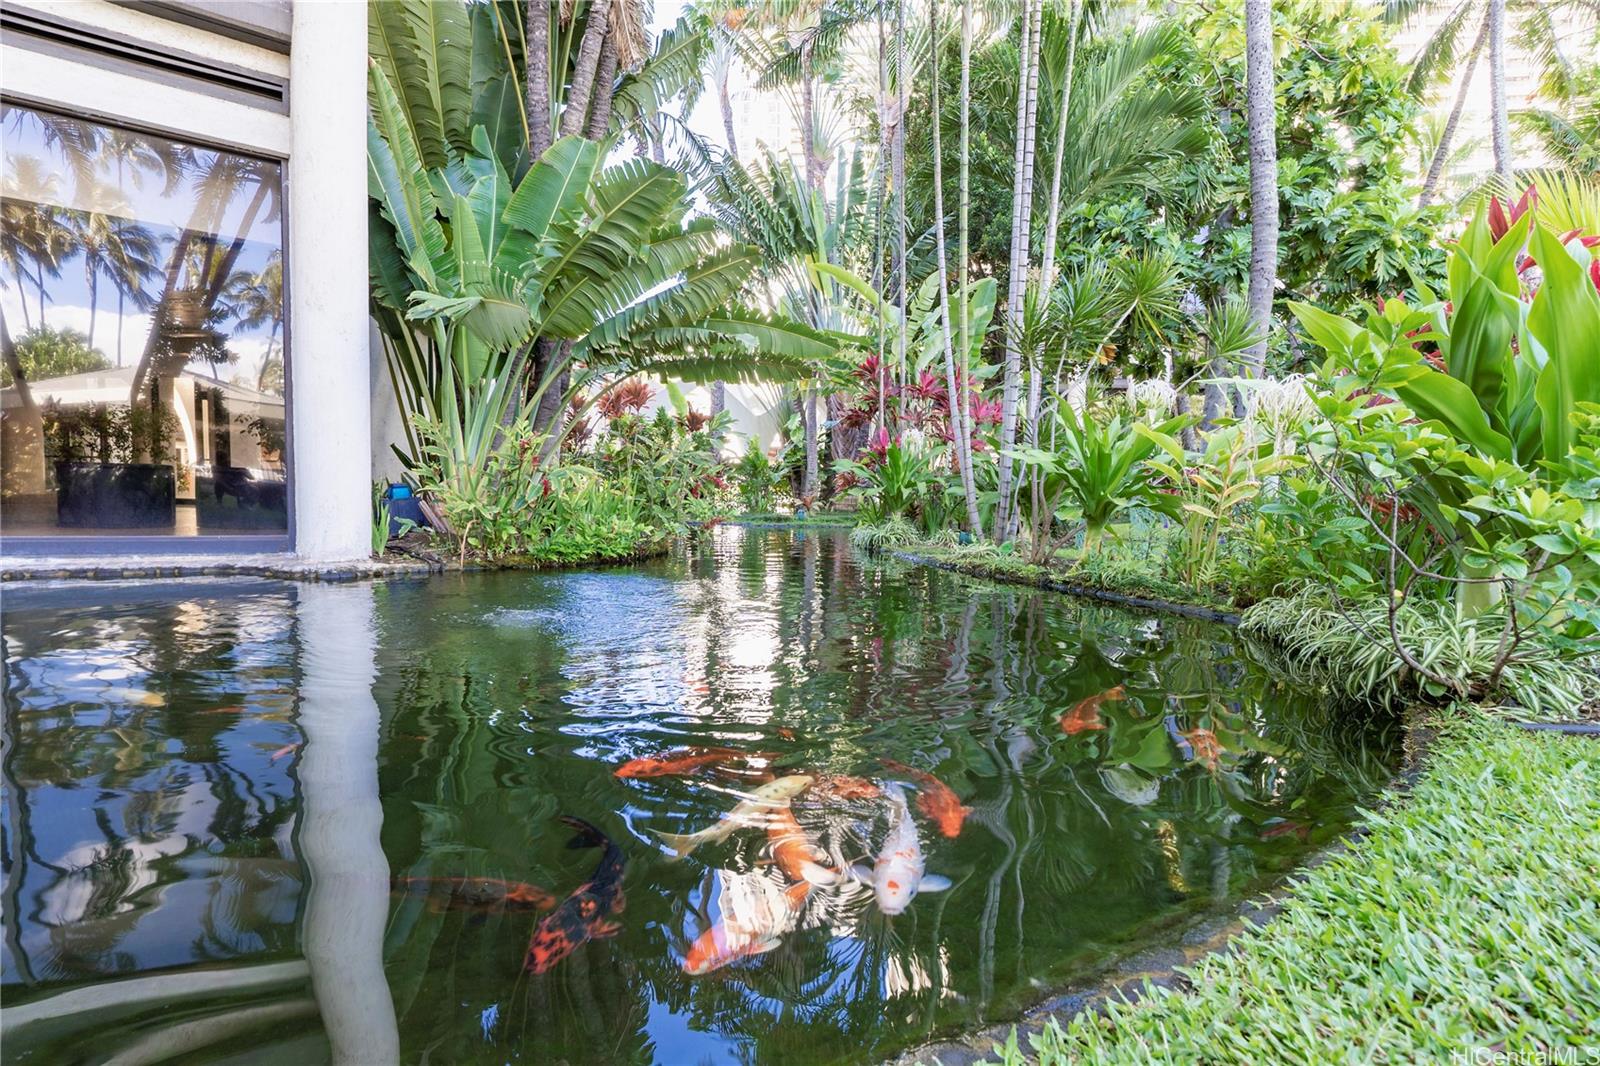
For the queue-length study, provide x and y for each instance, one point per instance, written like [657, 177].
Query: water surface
[231, 807]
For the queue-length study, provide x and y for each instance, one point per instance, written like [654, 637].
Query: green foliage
[1098, 470]
[1224, 479]
[109, 433]
[48, 352]
[886, 535]
[1346, 647]
[1463, 918]
[757, 480]
[898, 480]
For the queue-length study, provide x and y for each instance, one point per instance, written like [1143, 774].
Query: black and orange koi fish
[586, 914]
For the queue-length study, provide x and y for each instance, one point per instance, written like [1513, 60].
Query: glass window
[141, 304]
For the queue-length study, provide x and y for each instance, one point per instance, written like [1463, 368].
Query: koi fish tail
[814, 873]
[680, 843]
[588, 836]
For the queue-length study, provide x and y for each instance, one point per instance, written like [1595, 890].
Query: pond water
[252, 821]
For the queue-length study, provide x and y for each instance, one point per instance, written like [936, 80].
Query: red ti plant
[625, 397]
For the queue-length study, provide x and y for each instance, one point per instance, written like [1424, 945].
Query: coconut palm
[1261, 104]
[1538, 26]
[125, 253]
[256, 300]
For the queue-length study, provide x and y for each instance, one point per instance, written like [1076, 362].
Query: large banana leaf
[396, 179]
[441, 67]
[551, 192]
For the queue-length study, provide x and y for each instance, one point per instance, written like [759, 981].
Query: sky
[146, 202]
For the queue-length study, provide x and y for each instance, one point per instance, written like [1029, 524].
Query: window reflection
[142, 319]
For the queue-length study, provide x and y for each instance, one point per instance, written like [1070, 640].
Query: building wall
[320, 134]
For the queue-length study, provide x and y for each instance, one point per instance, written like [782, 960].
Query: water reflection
[340, 804]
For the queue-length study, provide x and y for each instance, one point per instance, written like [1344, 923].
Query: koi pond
[763, 800]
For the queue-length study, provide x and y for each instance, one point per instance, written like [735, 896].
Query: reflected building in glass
[145, 356]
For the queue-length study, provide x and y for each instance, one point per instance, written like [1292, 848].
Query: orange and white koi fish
[900, 870]
[936, 800]
[1085, 715]
[755, 916]
[754, 812]
[795, 852]
[586, 914]
[673, 763]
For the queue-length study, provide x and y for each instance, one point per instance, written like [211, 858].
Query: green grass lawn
[1468, 918]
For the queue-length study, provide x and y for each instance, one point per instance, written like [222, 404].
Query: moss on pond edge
[1464, 916]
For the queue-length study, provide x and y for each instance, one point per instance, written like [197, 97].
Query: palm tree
[1539, 27]
[125, 253]
[1021, 230]
[1261, 104]
[955, 384]
[1442, 145]
[1499, 123]
[256, 299]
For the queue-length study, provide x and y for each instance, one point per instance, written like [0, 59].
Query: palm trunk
[963, 228]
[1261, 102]
[958, 424]
[1048, 267]
[902, 73]
[813, 166]
[1017, 280]
[808, 487]
[1497, 87]
[1441, 151]
[583, 71]
[538, 88]
[94, 298]
[808, 122]
[605, 85]
[726, 105]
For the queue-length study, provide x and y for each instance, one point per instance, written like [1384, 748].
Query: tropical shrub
[757, 480]
[1097, 470]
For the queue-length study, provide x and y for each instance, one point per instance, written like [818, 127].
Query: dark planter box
[115, 495]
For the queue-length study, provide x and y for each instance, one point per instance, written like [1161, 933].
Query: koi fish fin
[817, 874]
[861, 872]
[588, 836]
[602, 930]
[933, 883]
[770, 944]
[681, 844]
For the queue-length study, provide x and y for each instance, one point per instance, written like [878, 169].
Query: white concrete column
[328, 280]
[341, 821]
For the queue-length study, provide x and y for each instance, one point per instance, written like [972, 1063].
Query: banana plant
[470, 269]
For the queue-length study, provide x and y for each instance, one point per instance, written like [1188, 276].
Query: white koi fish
[899, 873]
[755, 812]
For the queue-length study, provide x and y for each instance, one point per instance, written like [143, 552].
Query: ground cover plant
[1464, 918]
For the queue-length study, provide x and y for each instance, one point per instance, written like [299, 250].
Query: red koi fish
[281, 752]
[674, 763]
[1284, 828]
[936, 800]
[586, 914]
[1085, 715]
[475, 893]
